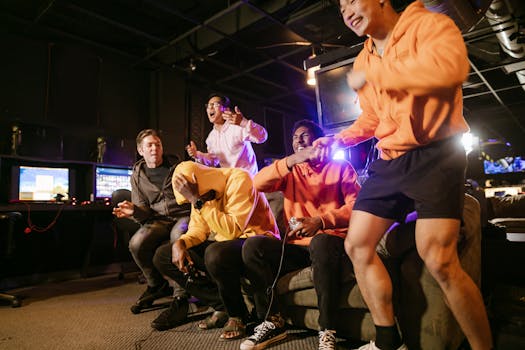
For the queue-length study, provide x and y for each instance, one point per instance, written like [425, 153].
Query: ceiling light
[310, 73]
[192, 65]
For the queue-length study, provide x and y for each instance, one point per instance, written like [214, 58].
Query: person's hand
[308, 154]
[308, 227]
[191, 149]
[190, 190]
[234, 117]
[124, 209]
[325, 145]
[179, 256]
[356, 79]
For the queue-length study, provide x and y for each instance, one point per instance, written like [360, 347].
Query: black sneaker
[154, 293]
[150, 295]
[265, 334]
[173, 316]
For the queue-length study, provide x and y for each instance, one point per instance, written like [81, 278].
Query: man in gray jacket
[153, 205]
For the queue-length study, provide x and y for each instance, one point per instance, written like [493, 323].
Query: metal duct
[507, 32]
[466, 13]
[506, 27]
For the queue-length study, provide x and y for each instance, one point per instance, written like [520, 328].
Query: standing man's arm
[208, 159]
[251, 131]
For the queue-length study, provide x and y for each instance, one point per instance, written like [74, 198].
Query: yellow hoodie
[413, 92]
[238, 210]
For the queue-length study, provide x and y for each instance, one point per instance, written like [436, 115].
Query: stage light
[310, 73]
[339, 154]
[310, 76]
[470, 142]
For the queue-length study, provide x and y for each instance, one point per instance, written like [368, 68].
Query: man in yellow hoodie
[226, 209]
[408, 77]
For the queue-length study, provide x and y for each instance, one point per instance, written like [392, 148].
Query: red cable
[30, 227]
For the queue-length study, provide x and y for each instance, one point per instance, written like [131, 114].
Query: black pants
[224, 263]
[202, 288]
[331, 267]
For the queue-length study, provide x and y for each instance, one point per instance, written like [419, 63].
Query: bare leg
[373, 279]
[436, 241]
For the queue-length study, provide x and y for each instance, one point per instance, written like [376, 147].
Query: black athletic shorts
[429, 179]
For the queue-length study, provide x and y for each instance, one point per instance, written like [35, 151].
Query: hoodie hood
[206, 178]
[408, 17]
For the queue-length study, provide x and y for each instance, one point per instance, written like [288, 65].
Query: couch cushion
[296, 288]
[507, 207]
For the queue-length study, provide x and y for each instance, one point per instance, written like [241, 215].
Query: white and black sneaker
[265, 334]
[327, 340]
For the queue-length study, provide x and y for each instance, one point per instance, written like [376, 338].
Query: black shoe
[150, 295]
[265, 334]
[157, 292]
[173, 316]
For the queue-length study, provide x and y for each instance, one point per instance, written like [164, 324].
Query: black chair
[124, 227]
[10, 218]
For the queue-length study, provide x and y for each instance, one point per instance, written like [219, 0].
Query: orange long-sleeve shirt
[413, 92]
[328, 190]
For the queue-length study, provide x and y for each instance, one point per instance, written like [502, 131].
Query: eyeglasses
[212, 105]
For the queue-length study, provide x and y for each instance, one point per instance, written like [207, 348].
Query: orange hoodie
[413, 92]
[325, 190]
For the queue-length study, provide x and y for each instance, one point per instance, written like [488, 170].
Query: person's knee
[212, 259]
[323, 248]
[162, 257]
[135, 243]
[319, 241]
[359, 254]
[251, 250]
[442, 269]
[350, 249]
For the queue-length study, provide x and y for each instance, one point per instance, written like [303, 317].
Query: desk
[503, 191]
[80, 234]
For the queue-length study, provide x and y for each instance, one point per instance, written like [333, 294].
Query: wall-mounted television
[505, 165]
[40, 183]
[337, 103]
[109, 179]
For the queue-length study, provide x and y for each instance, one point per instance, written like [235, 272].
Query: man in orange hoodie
[319, 196]
[408, 78]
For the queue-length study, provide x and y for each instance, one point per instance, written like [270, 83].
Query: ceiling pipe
[499, 16]
[503, 24]
[463, 12]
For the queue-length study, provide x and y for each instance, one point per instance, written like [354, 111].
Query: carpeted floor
[93, 313]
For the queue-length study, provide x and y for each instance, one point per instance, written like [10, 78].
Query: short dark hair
[145, 133]
[225, 101]
[310, 125]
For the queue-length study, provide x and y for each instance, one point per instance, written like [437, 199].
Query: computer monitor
[109, 179]
[40, 183]
[337, 103]
[504, 165]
